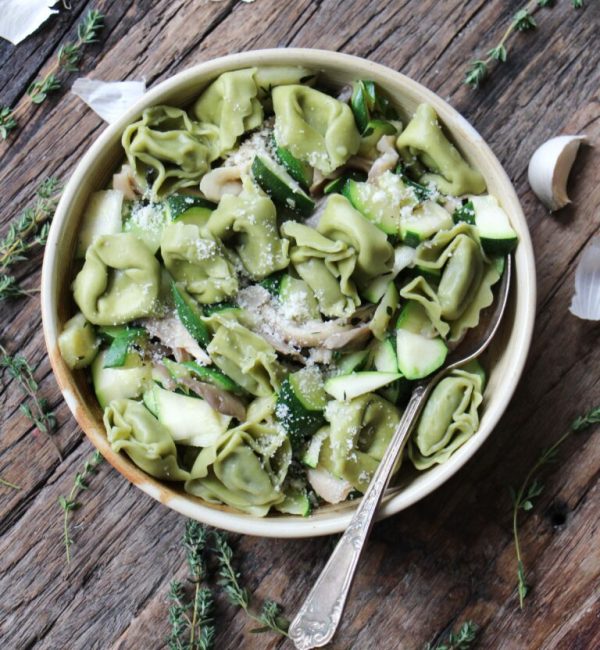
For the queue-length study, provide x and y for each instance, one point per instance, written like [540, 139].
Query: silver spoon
[318, 618]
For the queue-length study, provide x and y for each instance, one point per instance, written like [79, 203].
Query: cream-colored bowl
[507, 357]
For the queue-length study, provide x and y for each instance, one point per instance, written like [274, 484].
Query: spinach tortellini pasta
[251, 220]
[316, 128]
[247, 358]
[133, 429]
[449, 418]
[167, 150]
[255, 317]
[326, 266]
[119, 280]
[449, 172]
[247, 465]
[198, 260]
[359, 433]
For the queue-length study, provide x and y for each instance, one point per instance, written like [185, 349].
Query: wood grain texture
[450, 557]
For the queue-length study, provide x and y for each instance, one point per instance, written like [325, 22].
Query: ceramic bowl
[94, 171]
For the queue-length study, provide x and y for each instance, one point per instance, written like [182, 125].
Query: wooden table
[448, 559]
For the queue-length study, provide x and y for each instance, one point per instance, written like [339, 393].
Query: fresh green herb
[116, 355]
[25, 233]
[34, 408]
[461, 640]
[68, 504]
[8, 484]
[67, 59]
[522, 21]
[422, 192]
[531, 488]
[195, 630]
[578, 4]
[270, 617]
[465, 212]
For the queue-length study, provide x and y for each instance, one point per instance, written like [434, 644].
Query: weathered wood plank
[449, 558]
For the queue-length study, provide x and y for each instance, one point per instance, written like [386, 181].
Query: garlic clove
[586, 301]
[549, 169]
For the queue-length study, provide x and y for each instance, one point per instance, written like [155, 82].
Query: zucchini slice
[190, 314]
[426, 220]
[373, 204]
[102, 216]
[418, 355]
[300, 171]
[298, 299]
[495, 232]
[347, 387]
[190, 420]
[352, 361]
[298, 422]
[384, 356]
[313, 450]
[126, 382]
[280, 186]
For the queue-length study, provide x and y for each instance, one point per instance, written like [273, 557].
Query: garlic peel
[20, 18]
[549, 169]
[586, 301]
[108, 99]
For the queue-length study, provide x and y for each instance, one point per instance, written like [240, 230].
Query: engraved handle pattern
[318, 618]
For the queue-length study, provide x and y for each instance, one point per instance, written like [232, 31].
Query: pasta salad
[270, 271]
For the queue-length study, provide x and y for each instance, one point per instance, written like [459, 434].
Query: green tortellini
[316, 128]
[131, 428]
[246, 357]
[247, 465]
[449, 418]
[197, 260]
[119, 280]
[78, 342]
[326, 266]
[341, 222]
[359, 434]
[167, 150]
[423, 138]
[464, 287]
[251, 219]
[231, 105]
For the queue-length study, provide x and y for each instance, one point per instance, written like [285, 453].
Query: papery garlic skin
[586, 301]
[549, 169]
[108, 99]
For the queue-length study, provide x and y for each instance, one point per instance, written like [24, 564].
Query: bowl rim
[290, 526]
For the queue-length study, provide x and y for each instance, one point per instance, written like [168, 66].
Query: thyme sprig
[461, 640]
[270, 617]
[26, 232]
[531, 488]
[522, 21]
[195, 630]
[9, 484]
[67, 59]
[35, 408]
[69, 503]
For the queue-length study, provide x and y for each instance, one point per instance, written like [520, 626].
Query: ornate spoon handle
[318, 618]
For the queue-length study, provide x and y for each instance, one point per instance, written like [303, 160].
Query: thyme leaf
[67, 59]
[523, 499]
[461, 640]
[34, 408]
[69, 503]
